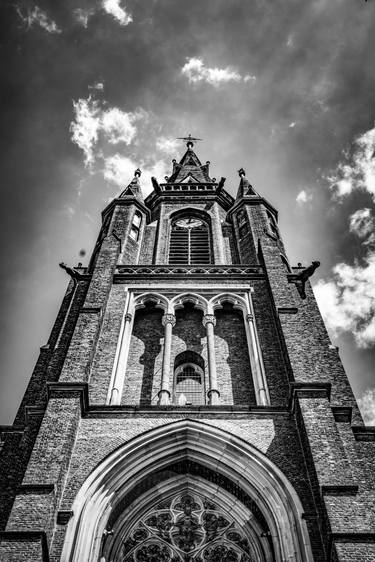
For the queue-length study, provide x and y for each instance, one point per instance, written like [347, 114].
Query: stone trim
[27, 536]
[364, 433]
[63, 517]
[286, 310]
[339, 490]
[70, 389]
[342, 413]
[308, 390]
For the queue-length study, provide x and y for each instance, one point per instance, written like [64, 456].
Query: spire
[245, 188]
[190, 169]
[134, 188]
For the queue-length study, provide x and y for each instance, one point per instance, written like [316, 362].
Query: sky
[91, 90]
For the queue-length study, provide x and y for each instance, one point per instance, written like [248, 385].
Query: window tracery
[187, 528]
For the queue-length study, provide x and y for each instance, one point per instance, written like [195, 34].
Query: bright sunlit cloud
[114, 8]
[91, 119]
[347, 301]
[304, 197]
[366, 404]
[357, 170]
[196, 71]
[39, 17]
[120, 170]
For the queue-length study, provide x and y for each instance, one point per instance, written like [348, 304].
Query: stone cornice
[124, 202]
[220, 196]
[252, 200]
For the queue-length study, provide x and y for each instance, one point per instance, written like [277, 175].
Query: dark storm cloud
[312, 95]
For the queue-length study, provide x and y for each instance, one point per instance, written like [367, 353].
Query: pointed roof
[190, 169]
[245, 188]
[134, 188]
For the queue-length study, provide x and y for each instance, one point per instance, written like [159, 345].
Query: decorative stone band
[167, 270]
[169, 319]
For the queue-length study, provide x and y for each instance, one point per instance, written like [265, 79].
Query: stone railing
[190, 270]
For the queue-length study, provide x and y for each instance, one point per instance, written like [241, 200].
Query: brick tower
[189, 405]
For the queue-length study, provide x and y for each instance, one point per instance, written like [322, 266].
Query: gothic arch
[209, 447]
[158, 300]
[197, 300]
[238, 302]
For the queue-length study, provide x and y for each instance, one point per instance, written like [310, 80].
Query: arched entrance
[186, 492]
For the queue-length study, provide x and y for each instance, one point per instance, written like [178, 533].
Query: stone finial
[137, 173]
[241, 173]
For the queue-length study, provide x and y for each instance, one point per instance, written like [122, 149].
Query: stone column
[259, 378]
[169, 320]
[209, 321]
[121, 361]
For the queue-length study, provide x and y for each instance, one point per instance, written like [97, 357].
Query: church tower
[189, 405]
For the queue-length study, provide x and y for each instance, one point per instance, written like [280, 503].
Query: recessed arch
[237, 301]
[207, 445]
[159, 301]
[197, 300]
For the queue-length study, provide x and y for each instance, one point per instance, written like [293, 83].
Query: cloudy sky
[90, 90]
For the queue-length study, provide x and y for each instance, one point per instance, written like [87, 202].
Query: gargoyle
[303, 276]
[75, 275]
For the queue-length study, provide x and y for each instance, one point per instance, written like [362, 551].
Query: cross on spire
[189, 140]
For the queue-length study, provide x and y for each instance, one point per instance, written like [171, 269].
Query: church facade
[189, 405]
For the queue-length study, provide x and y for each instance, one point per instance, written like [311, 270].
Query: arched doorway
[187, 492]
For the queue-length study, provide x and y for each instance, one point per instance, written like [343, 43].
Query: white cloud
[347, 301]
[118, 125]
[357, 171]
[304, 197]
[167, 145]
[36, 16]
[91, 120]
[292, 125]
[195, 70]
[113, 8]
[85, 128]
[362, 223]
[83, 15]
[120, 171]
[367, 406]
[97, 86]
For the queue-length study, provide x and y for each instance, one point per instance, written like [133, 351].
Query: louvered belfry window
[189, 242]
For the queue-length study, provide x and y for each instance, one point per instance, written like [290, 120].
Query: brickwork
[232, 359]
[105, 349]
[311, 430]
[143, 372]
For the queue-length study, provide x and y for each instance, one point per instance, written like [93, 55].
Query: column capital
[209, 319]
[168, 319]
[128, 317]
[250, 317]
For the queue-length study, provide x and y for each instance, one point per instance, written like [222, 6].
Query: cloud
[120, 171]
[357, 171]
[347, 301]
[91, 119]
[195, 70]
[167, 145]
[36, 16]
[362, 224]
[304, 197]
[83, 15]
[367, 406]
[113, 8]
[118, 125]
[85, 128]
[99, 86]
